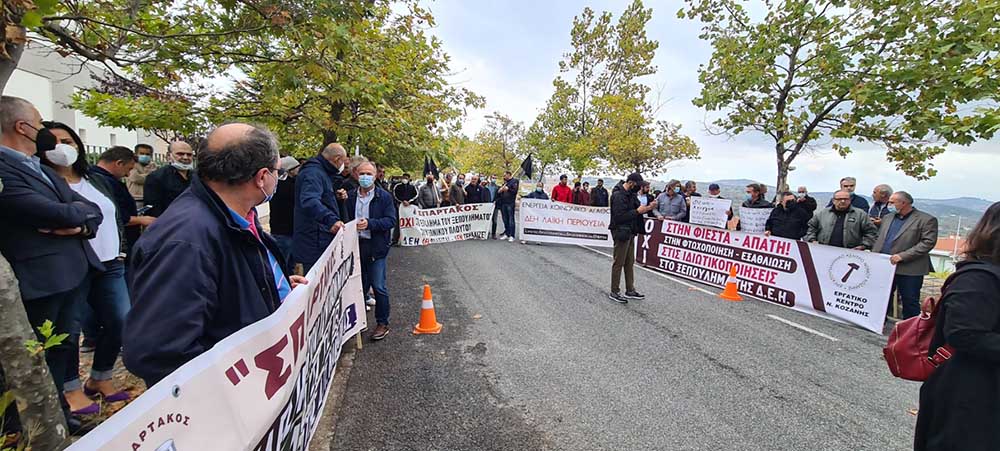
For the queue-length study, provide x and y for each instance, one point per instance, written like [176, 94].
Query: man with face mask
[136, 181]
[475, 193]
[405, 194]
[429, 196]
[626, 222]
[807, 202]
[168, 182]
[538, 193]
[44, 228]
[787, 219]
[457, 190]
[206, 269]
[316, 219]
[372, 207]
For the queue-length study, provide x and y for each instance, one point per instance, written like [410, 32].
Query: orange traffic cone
[731, 293]
[428, 320]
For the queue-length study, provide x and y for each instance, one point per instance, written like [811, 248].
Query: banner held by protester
[262, 388]
[753, 220]
[840, 284]
[420, 227]
[545, 221]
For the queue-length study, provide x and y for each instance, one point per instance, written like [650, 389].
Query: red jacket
[562, 193]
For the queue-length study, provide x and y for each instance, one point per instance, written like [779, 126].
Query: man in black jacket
[44, 228]
[282, 206]
[599, 195]
[168, 182]
[806, 201]
[788, 219]
[626, 223]
[206, 269]
[404, 193]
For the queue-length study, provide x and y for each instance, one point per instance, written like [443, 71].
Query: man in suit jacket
[44, 228]
[908, 236]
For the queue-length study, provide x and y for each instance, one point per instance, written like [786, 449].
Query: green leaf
[31, 19]
[46, 329]
[55, 340]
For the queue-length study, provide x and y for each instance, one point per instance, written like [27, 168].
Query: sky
[508, 51]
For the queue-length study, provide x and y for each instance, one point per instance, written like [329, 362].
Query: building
[49, 80]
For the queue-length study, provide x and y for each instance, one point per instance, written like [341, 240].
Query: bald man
[318, 209]
[165, 184]
[206, 269]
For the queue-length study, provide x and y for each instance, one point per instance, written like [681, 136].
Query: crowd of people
[107, 249]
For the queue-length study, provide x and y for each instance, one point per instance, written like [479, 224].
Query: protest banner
[545, 221]
[262, 388]
[710, 211]
[840, 284]
[753, 220]
[446, 224]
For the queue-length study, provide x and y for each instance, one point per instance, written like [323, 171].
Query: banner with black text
[545, 221]
[262, 388]
[444, 225]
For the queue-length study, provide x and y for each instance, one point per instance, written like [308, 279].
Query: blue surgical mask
[677, 189]
[537, 189]
[366, 180]
[748, 197]
[891, 209]
[145, 159]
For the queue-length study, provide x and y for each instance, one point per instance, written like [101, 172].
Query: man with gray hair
[908, 235]
[842, 225]
[880, 205]
[206, 269]
[317, 209]
[849, 184]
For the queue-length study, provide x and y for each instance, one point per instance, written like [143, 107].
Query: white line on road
[695, 287]
[801, 327]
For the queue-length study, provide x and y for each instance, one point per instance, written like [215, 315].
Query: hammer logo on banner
[849, 272]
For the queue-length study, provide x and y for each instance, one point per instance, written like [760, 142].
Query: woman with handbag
[960, 401]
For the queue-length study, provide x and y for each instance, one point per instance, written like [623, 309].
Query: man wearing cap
[282, 207]
[626, 223]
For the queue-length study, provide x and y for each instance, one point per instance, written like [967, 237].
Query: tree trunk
[7, 66]
[27, 375]
[782, 174]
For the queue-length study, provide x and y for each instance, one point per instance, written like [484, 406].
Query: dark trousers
[907, 291]
[509, 220]
[395, 230]
[373, 278]
[493, 226]
[624, 260]
[108, 301]
[61, 309]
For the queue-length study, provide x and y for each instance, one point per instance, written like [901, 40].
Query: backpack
[907, 351]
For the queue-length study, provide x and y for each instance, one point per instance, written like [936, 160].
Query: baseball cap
[288, 163]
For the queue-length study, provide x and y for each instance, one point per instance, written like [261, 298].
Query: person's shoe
[118, 396]
[524, 242]
[381, 331]
[92, 409]
[634, 295]
[502, 237]
[617, 298]
[510, 239]
[79, 426]
[370, 301]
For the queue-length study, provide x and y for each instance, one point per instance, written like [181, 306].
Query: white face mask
[63, 155]
[182, 166]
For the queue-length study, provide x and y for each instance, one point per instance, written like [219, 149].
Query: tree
[909, 75]
[604, 112]
[498, 147]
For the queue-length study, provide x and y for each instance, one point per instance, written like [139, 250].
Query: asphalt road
[551, 363]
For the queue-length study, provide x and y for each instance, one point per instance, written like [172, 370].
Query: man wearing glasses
[165, 184]
[205, 269]
[842, 225]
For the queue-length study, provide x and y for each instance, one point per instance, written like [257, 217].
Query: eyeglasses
[281, 174]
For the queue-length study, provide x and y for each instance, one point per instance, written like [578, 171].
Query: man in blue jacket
[44, 228]
[373, 208]
[205, 269]
[317, 212]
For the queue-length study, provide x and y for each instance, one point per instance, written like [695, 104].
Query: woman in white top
[108, 299]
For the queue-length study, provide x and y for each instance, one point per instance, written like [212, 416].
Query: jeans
[108, 298]
[509, 225]
[285, 245]
[493, 226]
[907, 289]
[624, 260]
[373, 277]
[61, 309]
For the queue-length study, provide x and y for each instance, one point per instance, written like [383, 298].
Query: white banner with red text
[420, 227]
[840, 284]
[545, 221]
[262, 388]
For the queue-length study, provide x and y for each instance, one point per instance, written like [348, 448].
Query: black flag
[430, 167]
[526, 167]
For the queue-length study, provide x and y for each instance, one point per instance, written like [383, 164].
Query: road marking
[695, 287]
[801, 327]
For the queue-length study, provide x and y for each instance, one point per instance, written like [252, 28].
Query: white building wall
[34, 88]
